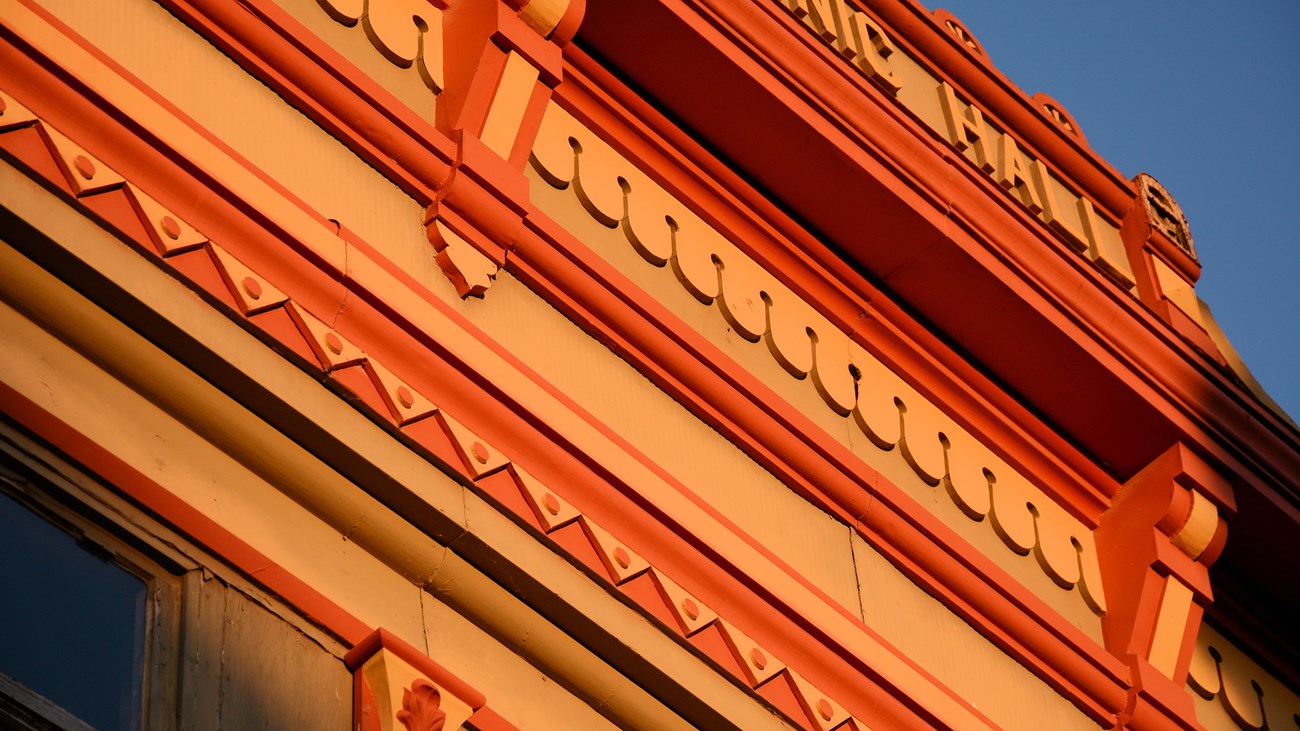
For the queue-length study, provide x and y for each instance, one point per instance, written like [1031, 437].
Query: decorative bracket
[398, 688]
[491, 65]
[502, 60]
[1156, 544]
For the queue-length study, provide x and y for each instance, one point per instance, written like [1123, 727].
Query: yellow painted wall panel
[957, 655]
[352, 43]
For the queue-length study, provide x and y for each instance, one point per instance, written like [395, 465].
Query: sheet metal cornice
[1115, 339]
[821, 277]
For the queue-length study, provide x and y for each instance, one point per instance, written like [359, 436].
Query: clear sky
[1205, 97]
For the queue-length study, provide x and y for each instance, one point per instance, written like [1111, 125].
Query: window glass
[73, 621]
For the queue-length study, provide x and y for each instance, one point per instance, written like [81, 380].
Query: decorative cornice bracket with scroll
[492, 65]
[1156, 544]
[502, 60]
[398, 688]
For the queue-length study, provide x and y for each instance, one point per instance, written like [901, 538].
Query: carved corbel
[502, 59]
[1156, 544]
[397, 688]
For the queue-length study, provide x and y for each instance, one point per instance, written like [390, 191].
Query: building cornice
[975, 276]
[974, 257]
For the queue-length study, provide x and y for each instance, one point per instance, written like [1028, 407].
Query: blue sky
[1205, 97]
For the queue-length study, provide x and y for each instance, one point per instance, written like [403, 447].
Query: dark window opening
[74, 621]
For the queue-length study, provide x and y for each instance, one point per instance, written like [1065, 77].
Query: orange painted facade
[639, 364]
